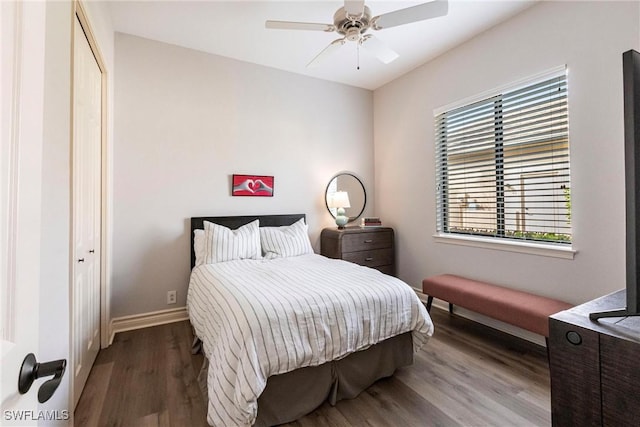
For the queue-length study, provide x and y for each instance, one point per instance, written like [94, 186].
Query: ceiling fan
[354, 20]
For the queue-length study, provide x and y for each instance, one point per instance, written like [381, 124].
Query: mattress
[260, 318]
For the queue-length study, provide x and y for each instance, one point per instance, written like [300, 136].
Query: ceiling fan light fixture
[353, 20]
[353, 34]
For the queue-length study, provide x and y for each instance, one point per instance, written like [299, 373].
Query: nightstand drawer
[367, 241]
[371, 258]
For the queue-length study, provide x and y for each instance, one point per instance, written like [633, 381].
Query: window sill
[542, 249]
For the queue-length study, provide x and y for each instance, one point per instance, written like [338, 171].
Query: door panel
[87, 148]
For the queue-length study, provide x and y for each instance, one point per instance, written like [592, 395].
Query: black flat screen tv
[631, 76]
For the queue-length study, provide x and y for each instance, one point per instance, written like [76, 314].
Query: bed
[282, 334]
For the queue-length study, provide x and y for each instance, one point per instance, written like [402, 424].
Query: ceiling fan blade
[354, 7]
[417, 13]
[289, 25]
[326, 52]
[381, 51]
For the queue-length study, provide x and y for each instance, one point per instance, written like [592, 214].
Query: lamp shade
[340, 199]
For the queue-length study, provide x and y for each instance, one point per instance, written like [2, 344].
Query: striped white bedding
[258, 318]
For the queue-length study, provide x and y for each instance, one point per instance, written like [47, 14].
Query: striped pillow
[285, 241]
[224, 244]
[198, 246]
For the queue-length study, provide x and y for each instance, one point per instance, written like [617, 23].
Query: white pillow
[198, 246]
[286, 241]
[224, 244]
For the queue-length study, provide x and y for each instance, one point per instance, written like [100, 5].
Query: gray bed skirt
[290, 396]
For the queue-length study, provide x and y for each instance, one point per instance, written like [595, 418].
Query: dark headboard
[234, 222]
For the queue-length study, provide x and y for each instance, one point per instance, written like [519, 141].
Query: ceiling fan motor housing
[352, 26]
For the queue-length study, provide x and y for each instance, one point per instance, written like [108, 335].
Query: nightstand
[371, 247]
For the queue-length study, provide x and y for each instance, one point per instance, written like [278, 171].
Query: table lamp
[340, 200]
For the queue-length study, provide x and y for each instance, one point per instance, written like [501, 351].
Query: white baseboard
[145, 320]
[487, 321]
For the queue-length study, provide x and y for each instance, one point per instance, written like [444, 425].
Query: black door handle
[31, 370]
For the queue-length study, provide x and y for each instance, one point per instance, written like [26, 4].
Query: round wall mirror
[354, 188]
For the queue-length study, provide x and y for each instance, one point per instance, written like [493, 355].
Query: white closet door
[87, 132]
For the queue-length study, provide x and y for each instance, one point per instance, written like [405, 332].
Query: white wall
[185, 121]
[587, 36]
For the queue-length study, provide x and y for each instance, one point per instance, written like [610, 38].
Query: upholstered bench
[519, 308]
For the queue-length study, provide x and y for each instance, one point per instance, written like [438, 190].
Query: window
[502, 165]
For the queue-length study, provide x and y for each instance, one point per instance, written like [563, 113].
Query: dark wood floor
[466, 375]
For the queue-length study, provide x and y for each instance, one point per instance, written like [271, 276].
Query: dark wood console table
[595, 366]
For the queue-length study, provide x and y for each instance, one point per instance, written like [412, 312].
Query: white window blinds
[502, 165]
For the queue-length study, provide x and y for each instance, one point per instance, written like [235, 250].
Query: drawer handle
[368, 241]
[369, 258]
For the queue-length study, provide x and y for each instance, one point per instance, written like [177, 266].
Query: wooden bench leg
[430, 301]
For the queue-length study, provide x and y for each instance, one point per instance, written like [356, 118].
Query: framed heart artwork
[252, 185]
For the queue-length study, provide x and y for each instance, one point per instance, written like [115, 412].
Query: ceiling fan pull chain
[358, 55]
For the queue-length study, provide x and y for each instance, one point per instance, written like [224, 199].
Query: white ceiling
[236, 29]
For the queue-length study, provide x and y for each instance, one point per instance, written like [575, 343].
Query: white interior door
[22, 101]
[87, 148]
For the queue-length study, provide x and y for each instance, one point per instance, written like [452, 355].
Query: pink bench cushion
[522, 309]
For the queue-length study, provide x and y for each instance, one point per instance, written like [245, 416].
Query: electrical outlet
[171, 297]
